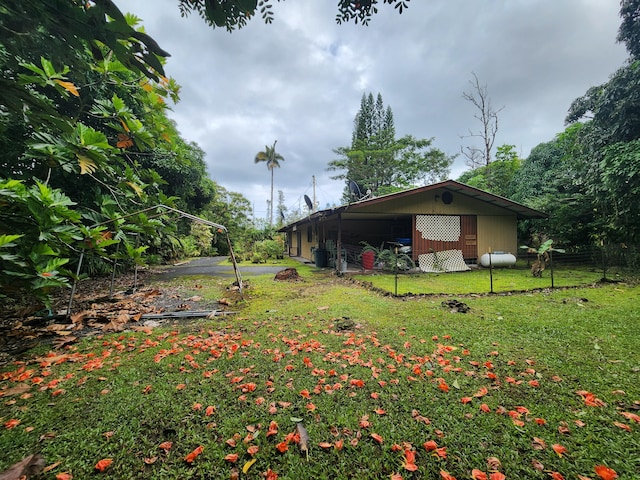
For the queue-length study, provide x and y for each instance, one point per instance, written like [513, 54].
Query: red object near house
[368, 259]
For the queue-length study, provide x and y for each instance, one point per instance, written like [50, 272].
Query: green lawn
[482, 280]
[536, 385]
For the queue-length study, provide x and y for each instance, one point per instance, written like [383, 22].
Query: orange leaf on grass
[466, 400]
[166, 446]
[410, 460]
[339, 444]
[305, 393]
[252, 450]
[631, 416]
[481, 393]
[446, 475]
[9, 424]
[103, 464]
[539, 444]
[193, 455]
[273, 428]
[559, 449]
[497, 476]
[210, 410]
[478, 474]
[270, 475]
[430, 445]
[325, 445]
[231, 457]
[377, 438]
[282, 447]
[623, 426]
[64, 476]
[440, 452]
[556, 475]
[380, 411]
[605, 473]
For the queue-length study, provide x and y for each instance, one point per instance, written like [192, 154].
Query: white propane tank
[498, 259]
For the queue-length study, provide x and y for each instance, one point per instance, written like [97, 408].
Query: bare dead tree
[488, 117]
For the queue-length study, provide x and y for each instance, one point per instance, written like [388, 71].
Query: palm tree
[273, 160]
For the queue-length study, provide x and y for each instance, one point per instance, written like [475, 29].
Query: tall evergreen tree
[379, 162]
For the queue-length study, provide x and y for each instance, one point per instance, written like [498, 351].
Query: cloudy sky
[300, 80]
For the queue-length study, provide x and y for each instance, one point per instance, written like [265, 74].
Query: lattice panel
[445, 261]
[440, 228]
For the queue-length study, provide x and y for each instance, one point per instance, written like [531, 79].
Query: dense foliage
[85, 143]
[587, 177]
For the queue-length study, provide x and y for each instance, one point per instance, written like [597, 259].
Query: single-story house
[448, 216]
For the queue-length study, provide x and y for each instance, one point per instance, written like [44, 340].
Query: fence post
[490, 271]
[551, 265]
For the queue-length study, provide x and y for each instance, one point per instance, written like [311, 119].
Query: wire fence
[575, 267]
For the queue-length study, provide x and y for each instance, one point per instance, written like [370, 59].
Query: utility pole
[314, 193]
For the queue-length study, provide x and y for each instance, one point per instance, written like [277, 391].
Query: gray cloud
[300, 79]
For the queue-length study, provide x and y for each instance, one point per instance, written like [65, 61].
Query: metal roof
[521, 211]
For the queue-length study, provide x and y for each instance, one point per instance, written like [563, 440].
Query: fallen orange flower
[252, 450]
[231, 457]
[430, 445]
[440, 452]
[9, 424]
[410, 460]
[559, 449]
[377, 438]
[631, 416]
[623, 426]
[166, 446]
[103, 464]
[497, 476]
[193, 455]
[478, 474]
[605, 473]
[446, 475]
[271, 475]
[556, 476]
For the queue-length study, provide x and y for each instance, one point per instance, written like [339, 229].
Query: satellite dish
[307, 200]
[354, 190]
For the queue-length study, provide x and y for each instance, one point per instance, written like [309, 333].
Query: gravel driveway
[212, 266]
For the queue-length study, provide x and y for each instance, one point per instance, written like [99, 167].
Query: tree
[498, 176]
[272, 159]
[629, 31]
[379, 162]
[235, 14]
[606, 157]
[488, 117]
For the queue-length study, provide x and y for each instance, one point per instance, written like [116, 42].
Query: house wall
[496, 227]
[430, 203]
[497, 233]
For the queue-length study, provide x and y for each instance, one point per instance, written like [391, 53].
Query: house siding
[497, 233]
